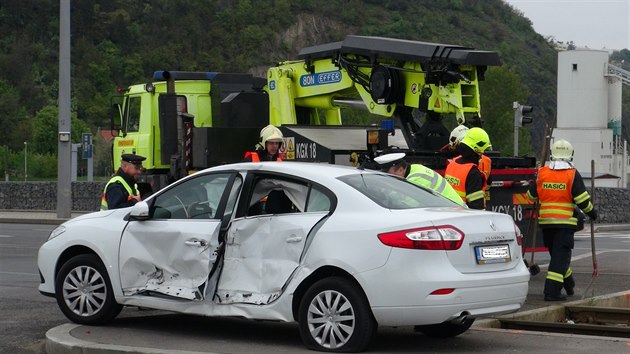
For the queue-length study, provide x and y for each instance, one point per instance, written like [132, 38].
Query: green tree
[13, 118]
[501, 88]
[45, 134]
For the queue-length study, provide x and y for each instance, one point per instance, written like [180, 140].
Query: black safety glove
[581, 218]
[592, 214]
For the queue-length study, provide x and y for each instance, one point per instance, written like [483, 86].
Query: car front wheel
[84, 292]
[334, 316]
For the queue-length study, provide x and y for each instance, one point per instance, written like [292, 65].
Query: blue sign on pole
[86, 146]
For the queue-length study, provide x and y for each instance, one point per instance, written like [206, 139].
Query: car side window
[277, 196]
[318, 201]
[197, 198]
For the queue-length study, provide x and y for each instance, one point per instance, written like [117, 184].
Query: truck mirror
[116, 117]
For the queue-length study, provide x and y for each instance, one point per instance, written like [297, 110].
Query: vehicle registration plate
[493, 254]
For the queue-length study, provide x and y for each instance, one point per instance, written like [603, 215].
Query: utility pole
[64, 185]
[25, 161]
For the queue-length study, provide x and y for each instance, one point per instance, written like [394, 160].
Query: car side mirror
[140, 211]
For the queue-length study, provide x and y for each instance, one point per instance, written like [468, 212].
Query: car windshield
[394, 193]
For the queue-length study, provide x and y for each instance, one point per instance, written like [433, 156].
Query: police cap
[134, 159]
[388, 160]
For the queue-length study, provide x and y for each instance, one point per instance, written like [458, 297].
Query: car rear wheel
[446, 329]
[334, 316]
[84, 292]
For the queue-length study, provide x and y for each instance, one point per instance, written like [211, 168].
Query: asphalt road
[25, 315]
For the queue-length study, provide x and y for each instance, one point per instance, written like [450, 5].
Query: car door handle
[197, 243]
[294, 239]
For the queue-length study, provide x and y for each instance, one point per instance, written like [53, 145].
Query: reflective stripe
[581, 198]
[568, 273]
[116, 179]
[588, 208]
[475, 195]
[545, 211]
[555, 277]
[426, 177]
[441, 187]
[557, 221]
[432, 179]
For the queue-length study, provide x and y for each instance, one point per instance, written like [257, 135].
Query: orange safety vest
[484, 168]
[555, 196]
[255, 157]
[456, 175]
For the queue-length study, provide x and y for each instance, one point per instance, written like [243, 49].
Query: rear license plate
[493, 254]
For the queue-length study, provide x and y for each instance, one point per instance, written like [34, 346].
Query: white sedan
[338, 250]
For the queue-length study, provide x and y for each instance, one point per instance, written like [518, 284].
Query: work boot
[569, 285]
[558, 297]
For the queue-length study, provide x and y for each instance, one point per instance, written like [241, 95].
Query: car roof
[310, 170]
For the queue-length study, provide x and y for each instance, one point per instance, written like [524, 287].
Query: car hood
[98, 215]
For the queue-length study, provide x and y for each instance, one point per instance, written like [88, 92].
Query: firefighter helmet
[270, 134]
[562, 150]
[477, 139]
[457, 134]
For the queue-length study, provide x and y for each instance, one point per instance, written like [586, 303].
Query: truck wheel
[446, 329]
[334, 316]
[84, 292]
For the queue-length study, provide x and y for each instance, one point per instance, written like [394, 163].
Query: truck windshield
[395, 193]
[131, 121]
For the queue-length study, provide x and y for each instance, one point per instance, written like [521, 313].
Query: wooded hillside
[121, 42]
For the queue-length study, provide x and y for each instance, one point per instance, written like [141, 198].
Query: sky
[596, 24]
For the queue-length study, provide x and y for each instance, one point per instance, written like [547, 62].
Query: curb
[554, 311]
[60, 341]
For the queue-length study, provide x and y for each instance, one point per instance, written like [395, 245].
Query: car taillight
[444, 291]
[444, 237]
[519, 235]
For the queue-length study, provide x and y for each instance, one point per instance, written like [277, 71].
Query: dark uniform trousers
[559, 241]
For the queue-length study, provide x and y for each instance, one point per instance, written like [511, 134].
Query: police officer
[463, 172]
[268, 147]
[559, 188]
[418, 174]
[122, 191]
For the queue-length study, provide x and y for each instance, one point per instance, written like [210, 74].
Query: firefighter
[268, 146]
[449, 150]
[395, 164]
[559, 188]
[122, 191]
[463, 172]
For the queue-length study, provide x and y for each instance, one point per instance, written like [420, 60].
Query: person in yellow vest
[418, 174]
[559, 188]
[268, 146]
[122, 191]
[463, 172]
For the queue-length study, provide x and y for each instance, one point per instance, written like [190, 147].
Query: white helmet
[562, 150]
[457, 134]
[270, 133]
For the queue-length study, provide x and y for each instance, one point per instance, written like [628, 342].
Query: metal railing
[623, 74]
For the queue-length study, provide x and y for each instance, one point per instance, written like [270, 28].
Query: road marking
[582, 256]
[7, 236]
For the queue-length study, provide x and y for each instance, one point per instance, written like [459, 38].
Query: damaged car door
[172, 251]
[264, 246]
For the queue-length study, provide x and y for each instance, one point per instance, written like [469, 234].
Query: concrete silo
[589, 113]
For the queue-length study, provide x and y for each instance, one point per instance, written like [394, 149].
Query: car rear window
[394, 193]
